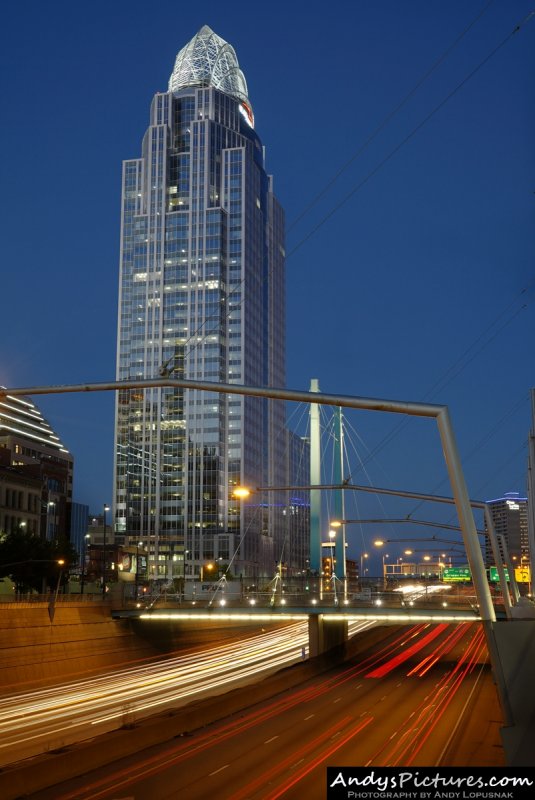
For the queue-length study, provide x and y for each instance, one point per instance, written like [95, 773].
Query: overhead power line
[382, 125]
[411, 134]
[167, 366]
[462, 362]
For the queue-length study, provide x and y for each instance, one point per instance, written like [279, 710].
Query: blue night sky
[410, 278]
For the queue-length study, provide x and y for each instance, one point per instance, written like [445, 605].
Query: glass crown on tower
[210, 61]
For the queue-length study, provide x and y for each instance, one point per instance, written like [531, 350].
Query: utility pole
[531, 487]
[104, 547]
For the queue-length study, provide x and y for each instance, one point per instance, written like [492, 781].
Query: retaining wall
[82, 639]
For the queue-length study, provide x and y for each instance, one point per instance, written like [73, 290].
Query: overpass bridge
[510, 643]
[327, 623]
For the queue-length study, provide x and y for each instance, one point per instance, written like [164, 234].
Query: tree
[32, 562]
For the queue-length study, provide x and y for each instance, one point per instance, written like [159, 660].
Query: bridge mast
[338, 497]
[315, 480]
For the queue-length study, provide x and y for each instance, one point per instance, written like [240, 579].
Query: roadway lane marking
[272, 739]
[309, 717]
[218, 770]
[297, 763]
[337, 700]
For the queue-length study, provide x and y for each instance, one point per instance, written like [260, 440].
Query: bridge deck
[381, 614]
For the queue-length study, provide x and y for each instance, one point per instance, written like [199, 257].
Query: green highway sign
[493, 574]
[522, 574]
[456, 574]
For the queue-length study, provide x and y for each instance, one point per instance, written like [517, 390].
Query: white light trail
[34, 722]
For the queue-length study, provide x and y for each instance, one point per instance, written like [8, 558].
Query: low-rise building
[30, 443]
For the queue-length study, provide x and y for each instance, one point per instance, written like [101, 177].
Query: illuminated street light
[52, 605]
[208, 567]
[381, 543]
[363, 557]
[241, 492]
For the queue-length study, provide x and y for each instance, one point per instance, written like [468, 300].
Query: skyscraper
[201, 297]
[510, 518]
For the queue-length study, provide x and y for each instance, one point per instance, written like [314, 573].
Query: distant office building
[352, 574]
[97, 531]
[33, 445]
[78, 527]
[202, 297]
[328, 560]
[295, 507]
[510, 517]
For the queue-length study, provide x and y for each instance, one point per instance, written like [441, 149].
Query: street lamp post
[52, 604]
[385, 582]
[105, 508]
[363, 557]
[136, 579]
[240, 493]
[332, 537]
[51, 526]
[85, 542]
[380, 543]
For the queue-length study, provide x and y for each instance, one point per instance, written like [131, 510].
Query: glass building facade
[201, 297]
[510, 517]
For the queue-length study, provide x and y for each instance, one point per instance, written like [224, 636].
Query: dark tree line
[32, 562]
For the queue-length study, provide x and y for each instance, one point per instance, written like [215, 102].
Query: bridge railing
[417, 600]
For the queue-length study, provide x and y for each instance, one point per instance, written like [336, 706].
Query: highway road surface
[405, 700]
